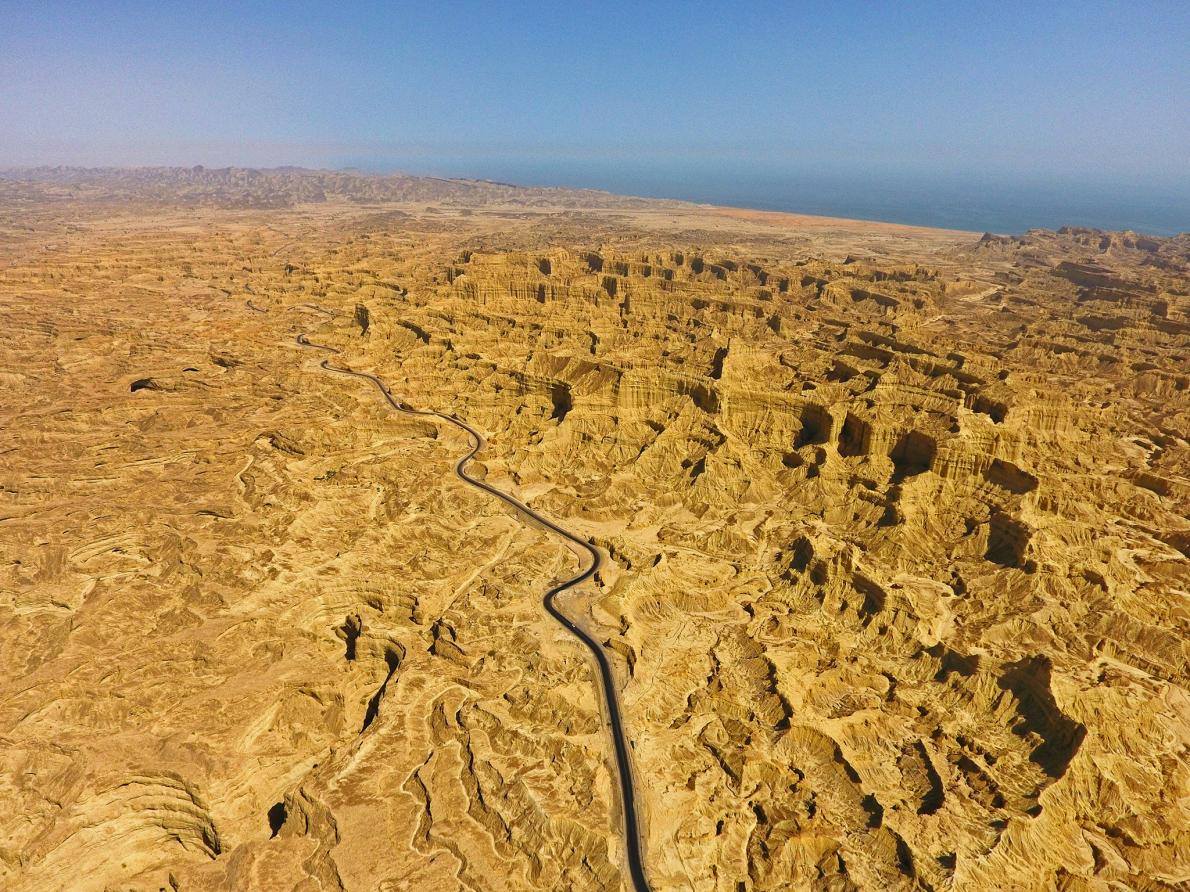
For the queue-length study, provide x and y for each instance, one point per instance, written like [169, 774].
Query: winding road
[631, 829]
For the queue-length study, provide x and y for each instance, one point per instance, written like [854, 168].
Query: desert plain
[892, 527]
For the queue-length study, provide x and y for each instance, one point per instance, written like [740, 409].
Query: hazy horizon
[922, 102]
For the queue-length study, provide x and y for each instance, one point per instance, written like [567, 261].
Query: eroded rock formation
[895, 527]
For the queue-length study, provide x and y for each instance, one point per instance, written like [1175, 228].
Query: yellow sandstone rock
[894, 526]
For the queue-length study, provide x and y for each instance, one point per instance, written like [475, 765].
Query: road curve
[631, 829]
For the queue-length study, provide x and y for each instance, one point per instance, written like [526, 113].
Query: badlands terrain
[891, 525]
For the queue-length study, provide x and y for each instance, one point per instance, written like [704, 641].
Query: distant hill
[280, 187]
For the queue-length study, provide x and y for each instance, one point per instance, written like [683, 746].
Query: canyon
[889, 525]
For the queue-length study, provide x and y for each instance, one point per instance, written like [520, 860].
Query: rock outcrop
[896, 551]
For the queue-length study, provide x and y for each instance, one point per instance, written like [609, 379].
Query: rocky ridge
[896, 558]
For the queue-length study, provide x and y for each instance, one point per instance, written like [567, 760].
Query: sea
[1001, 203]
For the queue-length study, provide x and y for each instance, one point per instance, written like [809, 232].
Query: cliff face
[896, 551]
[880, 539]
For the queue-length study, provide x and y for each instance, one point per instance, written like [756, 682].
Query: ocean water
[1001, 203]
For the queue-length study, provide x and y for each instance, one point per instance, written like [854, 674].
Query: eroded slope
[896, 577]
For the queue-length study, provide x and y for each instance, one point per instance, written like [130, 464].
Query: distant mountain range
[288, 186]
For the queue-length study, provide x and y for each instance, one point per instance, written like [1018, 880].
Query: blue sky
[1080, 88]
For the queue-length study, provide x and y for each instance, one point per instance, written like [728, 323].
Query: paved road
[632, 834]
